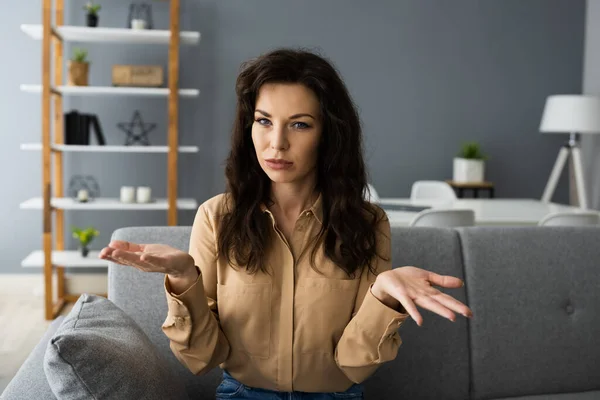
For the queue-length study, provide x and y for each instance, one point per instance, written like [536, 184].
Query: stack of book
[78, 127]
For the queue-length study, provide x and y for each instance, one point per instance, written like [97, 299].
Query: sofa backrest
[142, 296]
[433, 360]
[535, 296]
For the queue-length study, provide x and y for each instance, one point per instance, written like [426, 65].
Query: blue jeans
[232, 389]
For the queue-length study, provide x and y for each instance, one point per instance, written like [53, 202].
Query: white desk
[487, 211]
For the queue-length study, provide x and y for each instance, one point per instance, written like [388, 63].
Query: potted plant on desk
[85, 236]
[469, 164]
[92, 13]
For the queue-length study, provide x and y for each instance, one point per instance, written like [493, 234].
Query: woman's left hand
[408, 286]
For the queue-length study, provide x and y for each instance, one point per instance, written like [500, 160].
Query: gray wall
[591, 85]
[426, 75]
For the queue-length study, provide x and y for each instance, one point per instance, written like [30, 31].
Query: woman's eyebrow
[266, 114]
[301, 115]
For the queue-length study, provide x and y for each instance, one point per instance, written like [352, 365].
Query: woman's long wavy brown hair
[349, 222]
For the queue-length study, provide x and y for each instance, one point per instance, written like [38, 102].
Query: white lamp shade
[571, 114]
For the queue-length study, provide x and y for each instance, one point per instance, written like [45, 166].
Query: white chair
[444, 218]
[577, 218]
[371, 194]
[432, 190]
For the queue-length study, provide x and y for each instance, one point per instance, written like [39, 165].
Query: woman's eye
[263, 121]
[301, 125]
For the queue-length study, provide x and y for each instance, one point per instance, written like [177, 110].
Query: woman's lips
[278, 164]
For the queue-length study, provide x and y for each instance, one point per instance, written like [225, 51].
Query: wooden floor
[22, 322]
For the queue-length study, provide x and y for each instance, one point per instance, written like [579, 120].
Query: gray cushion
[99, 352]
[536, 308]
[433, 361]
[30, 381]
[142, 296]
[595, 395]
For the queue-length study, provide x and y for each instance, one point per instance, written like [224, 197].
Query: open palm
[411, 287]
[148, 257]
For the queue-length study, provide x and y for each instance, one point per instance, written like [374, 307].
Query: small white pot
[138, 24]
[468, 170]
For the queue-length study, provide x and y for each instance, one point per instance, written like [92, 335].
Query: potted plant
[92, 13]
[469, 164]
[85, 236]
[79, 68]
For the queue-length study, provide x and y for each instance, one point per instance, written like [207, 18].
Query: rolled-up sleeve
[192, 322]
[371, 337]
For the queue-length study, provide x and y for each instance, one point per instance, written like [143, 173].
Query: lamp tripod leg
[579, 181]
[563, 155]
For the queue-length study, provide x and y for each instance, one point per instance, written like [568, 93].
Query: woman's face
[286, 132]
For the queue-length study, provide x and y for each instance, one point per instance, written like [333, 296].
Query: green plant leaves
[471, 150]
[80, 55]
[85, 236]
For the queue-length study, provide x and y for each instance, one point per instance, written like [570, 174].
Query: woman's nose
[279, 139]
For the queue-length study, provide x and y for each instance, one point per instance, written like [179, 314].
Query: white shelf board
[112, 35]
[103, 203]
[66, 258]
[111, 91]
[108, 149]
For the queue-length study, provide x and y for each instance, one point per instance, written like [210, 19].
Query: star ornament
[136, 130]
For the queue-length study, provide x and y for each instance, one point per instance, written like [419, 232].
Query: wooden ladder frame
[54, 61]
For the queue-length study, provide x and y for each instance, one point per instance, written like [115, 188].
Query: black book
[98, 130]
[71, 119]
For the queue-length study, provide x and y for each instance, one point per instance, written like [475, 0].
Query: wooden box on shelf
[137, 75]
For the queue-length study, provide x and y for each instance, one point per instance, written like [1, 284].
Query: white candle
[127, 194]
[138, 24]
[82, 195]
[144, 194]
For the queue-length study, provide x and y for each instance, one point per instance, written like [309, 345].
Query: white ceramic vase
[468, 170]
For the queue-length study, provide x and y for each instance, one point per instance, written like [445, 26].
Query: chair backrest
[441, 218]
[432, 190]
[575, 218]
[371, 194]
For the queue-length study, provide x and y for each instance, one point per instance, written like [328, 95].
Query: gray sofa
[535, 294]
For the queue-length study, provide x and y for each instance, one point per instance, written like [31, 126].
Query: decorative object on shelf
[85, 237]
[127, 194]
[92, 13]
[144, 194]
[77, 128]
[78, 68]
[138, 75]
[469, 164]
[140, 16]
[82, 195]
[83, 188]
[139, 135]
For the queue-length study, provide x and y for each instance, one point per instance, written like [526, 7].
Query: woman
[288, 283]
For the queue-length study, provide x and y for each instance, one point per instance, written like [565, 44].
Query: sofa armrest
[30, 381]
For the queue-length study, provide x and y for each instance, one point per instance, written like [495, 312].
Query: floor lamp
[574, 114]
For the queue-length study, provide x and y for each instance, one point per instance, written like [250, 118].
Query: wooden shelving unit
[53, 257]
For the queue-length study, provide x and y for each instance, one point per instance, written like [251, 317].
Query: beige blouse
[292, 330]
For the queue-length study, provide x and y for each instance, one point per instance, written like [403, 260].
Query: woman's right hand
[178, 264]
